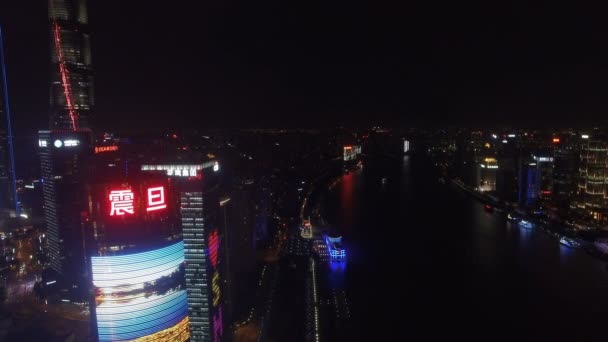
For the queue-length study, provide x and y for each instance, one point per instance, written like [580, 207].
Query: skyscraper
[200, 196]
[66, 150]
[593, 172]
[8, 191]
[66, 165]
[71, 92]
[137, 258]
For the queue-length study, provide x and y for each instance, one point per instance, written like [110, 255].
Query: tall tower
[8, 189]
[71, 92]
[66, 149]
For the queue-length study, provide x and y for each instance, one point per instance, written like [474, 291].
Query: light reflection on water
[453, 253]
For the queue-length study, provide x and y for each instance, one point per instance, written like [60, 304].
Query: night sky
[318, 63]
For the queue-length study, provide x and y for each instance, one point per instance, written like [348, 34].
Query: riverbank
[553, 230]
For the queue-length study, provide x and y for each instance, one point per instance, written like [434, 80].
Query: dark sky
[315, 63]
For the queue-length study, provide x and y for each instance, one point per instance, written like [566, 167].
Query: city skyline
[301, 172]
[222, 65]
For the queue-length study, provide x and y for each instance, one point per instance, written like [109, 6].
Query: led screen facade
[141, 296]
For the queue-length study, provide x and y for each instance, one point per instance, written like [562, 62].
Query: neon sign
[215, 285]
[218, 329]
[121, 202]
[101, 149]
[214, 244]
[156, 198]
[213, 248]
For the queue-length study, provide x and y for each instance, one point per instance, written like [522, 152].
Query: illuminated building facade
[529, 183]
[544, 164]
[203, 235]
[71, 93]
[66, 162]
[351, 152]
[137, 259]
[8, 189]
[593, 175]
[565, 169]
[486, 174]
[141, 296]
[306, 230]
[197, 281]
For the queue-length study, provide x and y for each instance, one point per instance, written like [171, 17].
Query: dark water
[428, 262]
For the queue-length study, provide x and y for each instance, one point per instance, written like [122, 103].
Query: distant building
[506, 179]
[565, 170]
[593, 176]
[8, 190]
[544, 164]
[351, 152]
[406, 146]
[486, 174]
[529, 183]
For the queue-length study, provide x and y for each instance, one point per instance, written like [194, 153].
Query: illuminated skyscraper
[66, 160]
[593, 172]
[71, 93]
[198, 190]
[66, 149]
[137, 259]
[8, 191]
[565, 169]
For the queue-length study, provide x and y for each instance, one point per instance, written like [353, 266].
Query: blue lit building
[8, 189]
[529, 184]
[536, 179]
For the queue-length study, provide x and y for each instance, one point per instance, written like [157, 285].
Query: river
[426, 261]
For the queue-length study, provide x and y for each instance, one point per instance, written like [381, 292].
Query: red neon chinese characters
[122, 202]
[156, 198]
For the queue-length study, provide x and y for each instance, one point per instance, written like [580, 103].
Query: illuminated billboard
[141, 296]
